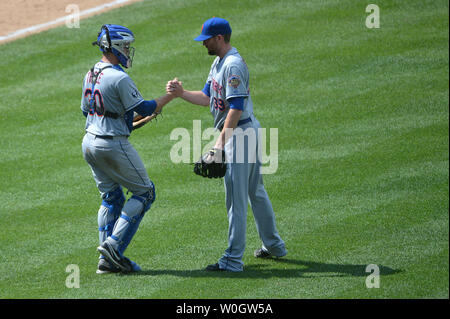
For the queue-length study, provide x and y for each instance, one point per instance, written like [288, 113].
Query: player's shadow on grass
[287, 268]
[309, 269]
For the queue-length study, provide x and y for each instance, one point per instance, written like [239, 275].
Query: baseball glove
[211, 164]
[139, 121]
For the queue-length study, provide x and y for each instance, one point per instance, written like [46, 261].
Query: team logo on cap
[234, 81]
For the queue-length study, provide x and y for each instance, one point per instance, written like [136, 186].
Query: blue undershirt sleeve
[236, 103]
[145, 108]
[206, 89]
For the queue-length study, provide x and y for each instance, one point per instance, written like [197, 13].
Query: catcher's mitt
[212, 164]
[139, 121]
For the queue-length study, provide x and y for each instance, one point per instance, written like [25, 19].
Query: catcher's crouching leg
[109, 212]
[132, 214]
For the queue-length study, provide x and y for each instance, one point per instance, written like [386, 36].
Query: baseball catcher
[114, 107]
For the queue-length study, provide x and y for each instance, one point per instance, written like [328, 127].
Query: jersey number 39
[218, 104]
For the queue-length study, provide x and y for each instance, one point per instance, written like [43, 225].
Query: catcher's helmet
[117, 39]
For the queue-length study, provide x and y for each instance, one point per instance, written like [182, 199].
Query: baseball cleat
[214, 267]
[105, 267]
[134, 267]
[262, 253]
[114, 257]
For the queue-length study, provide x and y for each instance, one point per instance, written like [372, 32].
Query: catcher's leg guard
[132, 214]
[109, 212]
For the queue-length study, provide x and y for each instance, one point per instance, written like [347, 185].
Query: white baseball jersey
[228, 78]
[114, 92]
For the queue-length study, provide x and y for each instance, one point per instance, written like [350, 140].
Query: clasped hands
[174, 88]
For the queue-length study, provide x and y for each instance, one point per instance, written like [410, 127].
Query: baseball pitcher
[227, 94]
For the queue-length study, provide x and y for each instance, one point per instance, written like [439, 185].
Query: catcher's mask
[117, 40]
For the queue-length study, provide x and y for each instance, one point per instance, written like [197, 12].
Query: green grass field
[363, 163]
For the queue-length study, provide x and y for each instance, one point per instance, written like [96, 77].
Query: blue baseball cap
[213, 27]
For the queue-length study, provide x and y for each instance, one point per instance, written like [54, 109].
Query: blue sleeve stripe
[236, 103]
[145, 108]
[206, 89]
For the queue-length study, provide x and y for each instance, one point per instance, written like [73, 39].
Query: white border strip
[60, 20]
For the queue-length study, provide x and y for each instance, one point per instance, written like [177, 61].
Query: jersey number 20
[96, 105]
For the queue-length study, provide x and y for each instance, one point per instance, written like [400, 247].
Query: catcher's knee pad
[150, 196]
[115, 198]
[147, 198]
[109, 211]
[136, 206]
